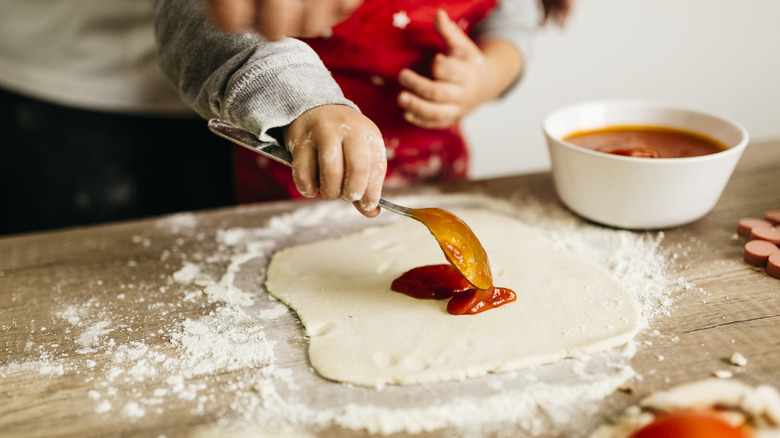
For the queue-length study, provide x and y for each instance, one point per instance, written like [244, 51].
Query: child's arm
[469, 73]
[265, 87]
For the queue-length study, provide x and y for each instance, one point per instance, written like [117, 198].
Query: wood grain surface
[52, 382]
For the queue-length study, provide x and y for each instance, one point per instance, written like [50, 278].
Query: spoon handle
[395, 208]
[243, 138]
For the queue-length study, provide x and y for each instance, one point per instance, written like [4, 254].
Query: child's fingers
[368, 205]
[370, 213]
[458, 43]
[426, 88]
[447, 68]
[357, 160]
[427, 114]
[337, 150]
[330, 159]
[304, 168]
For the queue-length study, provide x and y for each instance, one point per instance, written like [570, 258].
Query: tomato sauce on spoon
[460, 245]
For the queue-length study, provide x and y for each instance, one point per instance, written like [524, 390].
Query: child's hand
[338, 152]
[464, 77]
[458, 81]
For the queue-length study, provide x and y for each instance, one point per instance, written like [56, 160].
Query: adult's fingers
[275, 19]
[301, 18]
[317, 17]
[345, 8]
[232, 15]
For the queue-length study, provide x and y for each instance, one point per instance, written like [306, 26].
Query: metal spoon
[461, 247]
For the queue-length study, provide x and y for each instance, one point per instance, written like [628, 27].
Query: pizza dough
[363, 333]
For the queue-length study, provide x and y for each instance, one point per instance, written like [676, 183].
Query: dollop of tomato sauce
[441, 282]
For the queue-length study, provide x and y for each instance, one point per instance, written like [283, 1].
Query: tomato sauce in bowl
[618, 188]
[646, 142]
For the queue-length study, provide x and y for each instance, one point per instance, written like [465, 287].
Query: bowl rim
[657, 104]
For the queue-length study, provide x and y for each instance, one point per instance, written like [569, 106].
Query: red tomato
[690, 424]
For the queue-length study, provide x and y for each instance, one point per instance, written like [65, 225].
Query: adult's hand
[276, 19]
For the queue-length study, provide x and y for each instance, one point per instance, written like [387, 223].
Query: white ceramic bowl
[640, 193]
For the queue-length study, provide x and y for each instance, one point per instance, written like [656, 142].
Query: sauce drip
[461, 247]
[441, 282]
[646, 142]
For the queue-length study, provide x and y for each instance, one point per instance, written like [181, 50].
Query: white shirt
[91, 54]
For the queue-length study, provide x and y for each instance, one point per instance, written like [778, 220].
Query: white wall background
[719, 55]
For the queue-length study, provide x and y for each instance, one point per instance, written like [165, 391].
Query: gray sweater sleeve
[256, 84]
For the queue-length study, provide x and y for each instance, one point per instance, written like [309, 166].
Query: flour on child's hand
[291, 145]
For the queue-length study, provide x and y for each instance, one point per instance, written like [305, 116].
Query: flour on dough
[363, 333]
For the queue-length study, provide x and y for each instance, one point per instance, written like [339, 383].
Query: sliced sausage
[773, 216]
[773, 265]
[766, 232]
[757, 252]
[746, 225]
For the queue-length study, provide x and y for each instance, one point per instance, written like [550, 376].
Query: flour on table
[363, 333]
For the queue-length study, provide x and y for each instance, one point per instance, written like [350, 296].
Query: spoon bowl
[459, 243]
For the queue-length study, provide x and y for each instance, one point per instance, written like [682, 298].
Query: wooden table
[89, 321]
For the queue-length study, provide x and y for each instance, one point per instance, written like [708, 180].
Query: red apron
[365, 54]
